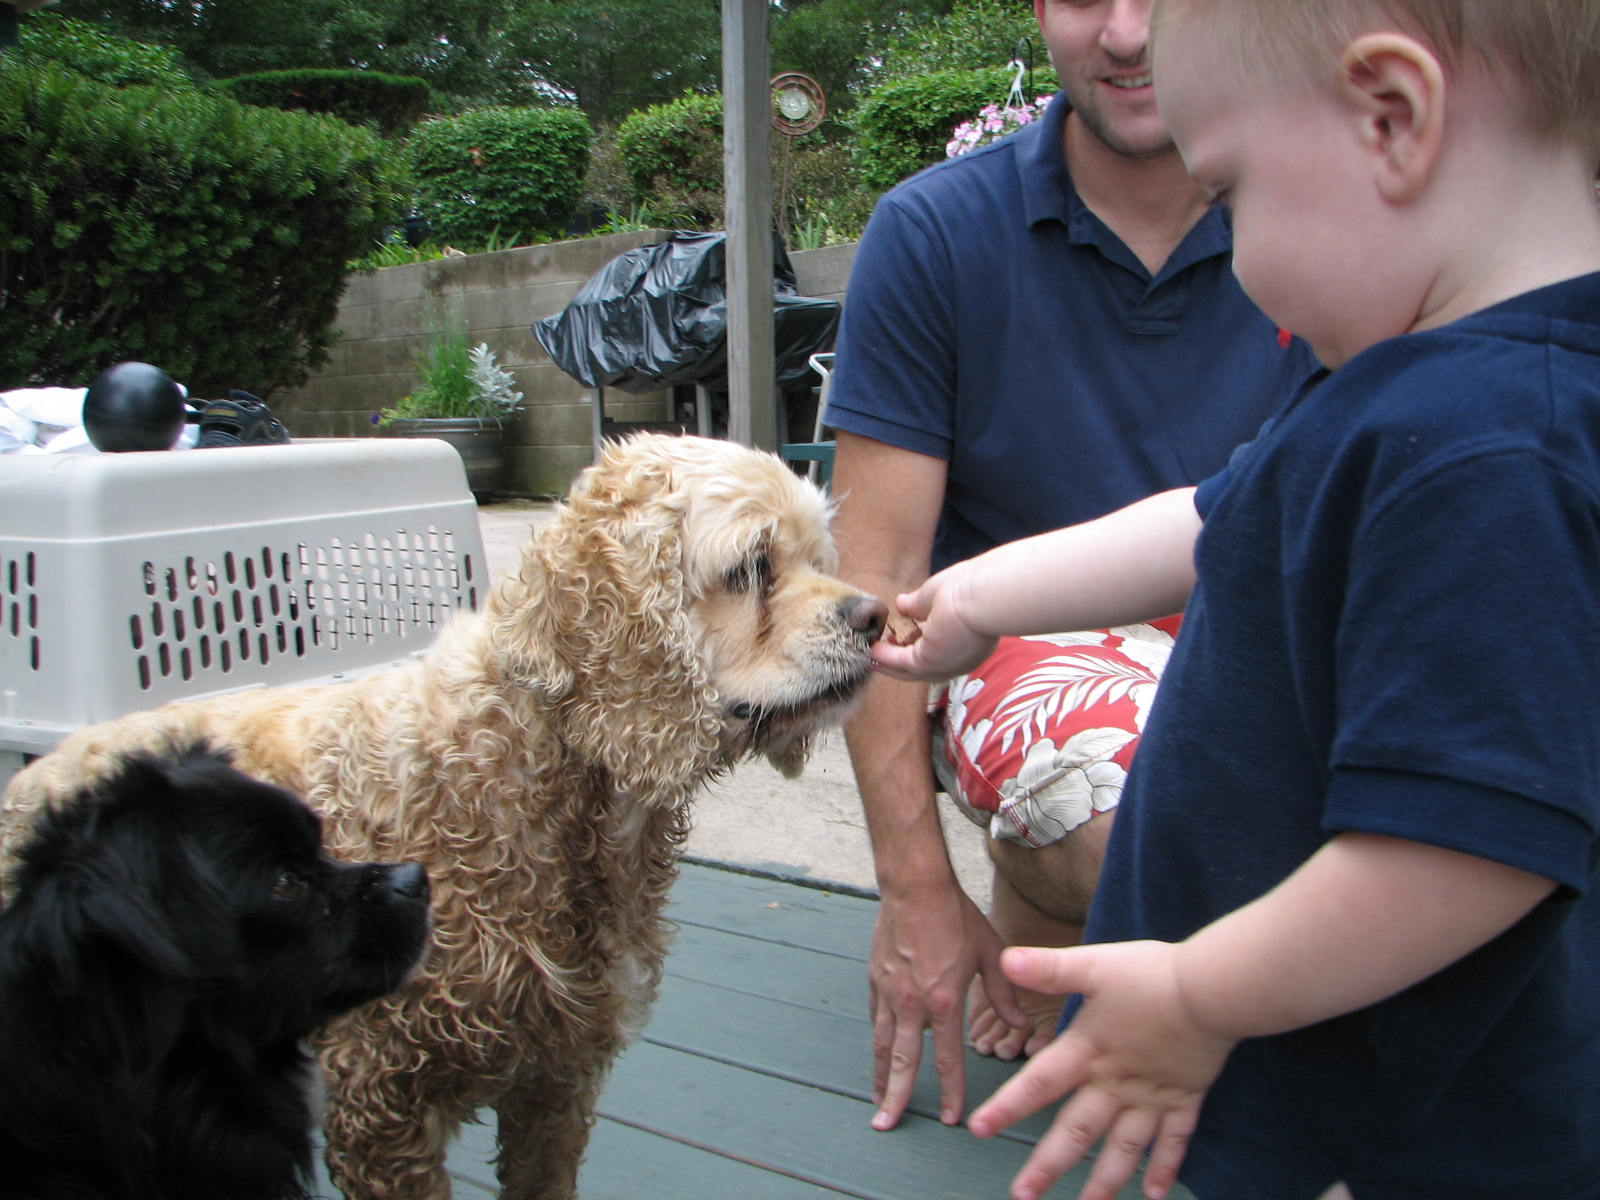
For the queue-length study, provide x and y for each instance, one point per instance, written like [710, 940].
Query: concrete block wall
[383, 314]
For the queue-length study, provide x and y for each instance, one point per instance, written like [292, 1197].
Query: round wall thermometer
[798, 105]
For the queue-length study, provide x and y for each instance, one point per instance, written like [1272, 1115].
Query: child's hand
[932, 641]
[1134, 1060]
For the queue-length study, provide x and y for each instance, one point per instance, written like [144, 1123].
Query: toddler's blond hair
[1545, 53]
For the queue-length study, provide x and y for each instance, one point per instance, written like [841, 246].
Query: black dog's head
[172, 938]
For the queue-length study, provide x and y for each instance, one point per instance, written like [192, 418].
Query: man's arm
[930, 939]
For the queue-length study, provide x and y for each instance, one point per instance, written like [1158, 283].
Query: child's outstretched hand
[931, 640]
[1134, 1060]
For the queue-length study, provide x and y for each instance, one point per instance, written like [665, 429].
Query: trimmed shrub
[391, 102]
[184, 230]
[828, 202]
[903, 127]
[497, 174]
[94, 51]
[673, 153]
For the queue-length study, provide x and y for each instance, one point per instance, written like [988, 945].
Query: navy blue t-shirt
[995, 322]
[1396, 630]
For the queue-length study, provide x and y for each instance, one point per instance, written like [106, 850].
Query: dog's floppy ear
[111, 870]
[596, 623]
[107, 918]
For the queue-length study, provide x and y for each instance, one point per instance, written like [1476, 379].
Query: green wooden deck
[753, 1079]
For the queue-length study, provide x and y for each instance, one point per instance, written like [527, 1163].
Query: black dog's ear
[111, 932]
[108, 882]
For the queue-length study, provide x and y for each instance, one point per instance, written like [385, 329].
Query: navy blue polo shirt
[1394, 632]
[995, 322]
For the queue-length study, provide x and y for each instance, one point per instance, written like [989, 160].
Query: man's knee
[1058, 879]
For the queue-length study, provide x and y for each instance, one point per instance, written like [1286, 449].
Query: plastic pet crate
[129, 580]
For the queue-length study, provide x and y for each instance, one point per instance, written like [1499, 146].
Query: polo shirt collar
[1049, 195]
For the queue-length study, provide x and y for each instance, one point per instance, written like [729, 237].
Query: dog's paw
[901, 630]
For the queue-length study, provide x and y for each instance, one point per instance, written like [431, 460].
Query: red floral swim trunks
[1039, 739]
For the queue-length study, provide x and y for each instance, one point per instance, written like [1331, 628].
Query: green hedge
[94, 51]
[499, 174]
[185, 230]
[904, 127]
[391, 102]
[673, 153]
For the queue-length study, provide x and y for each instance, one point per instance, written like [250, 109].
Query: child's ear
[1398, 89]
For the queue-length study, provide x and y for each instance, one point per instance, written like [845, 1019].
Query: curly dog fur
[675, 616]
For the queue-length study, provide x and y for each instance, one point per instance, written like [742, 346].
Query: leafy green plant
[396, 253]
[906, 126]
[174, 227]
[673, 157]
[92, 50]
[635, 220]
[492, 384]
[391, 103]
[500, 172]
[458, 380]
[828, 202]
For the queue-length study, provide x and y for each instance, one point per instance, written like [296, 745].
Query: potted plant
[464, 397]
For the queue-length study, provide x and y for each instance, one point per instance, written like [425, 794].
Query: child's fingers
[1048, 1076]
[1167, 1154]
[1122, 1150]
[903, 662]
[1044, 969]
[1076, 1130]
[916, 604]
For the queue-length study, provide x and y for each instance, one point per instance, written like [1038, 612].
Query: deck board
[753, 1079]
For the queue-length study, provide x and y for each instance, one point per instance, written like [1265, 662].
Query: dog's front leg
[386, 1133]
[544, 1128]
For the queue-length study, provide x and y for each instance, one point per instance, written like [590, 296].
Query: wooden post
[747, 183]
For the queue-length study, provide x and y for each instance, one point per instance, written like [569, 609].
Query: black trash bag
[657, 317]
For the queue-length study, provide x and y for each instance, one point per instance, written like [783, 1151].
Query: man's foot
[1020, 924]
[991, 1036]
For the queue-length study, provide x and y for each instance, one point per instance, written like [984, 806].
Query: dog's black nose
[866, 615]
[409, 880]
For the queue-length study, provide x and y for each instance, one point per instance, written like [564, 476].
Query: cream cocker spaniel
[676, 615]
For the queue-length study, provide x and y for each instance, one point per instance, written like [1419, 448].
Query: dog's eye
[288, 886]
[754, 574]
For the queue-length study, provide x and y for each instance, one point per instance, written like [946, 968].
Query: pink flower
[992, 123]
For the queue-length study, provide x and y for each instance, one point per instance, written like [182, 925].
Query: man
[1037, 333]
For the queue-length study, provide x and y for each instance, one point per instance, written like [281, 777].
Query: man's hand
[1136, 1063]
[925, 952]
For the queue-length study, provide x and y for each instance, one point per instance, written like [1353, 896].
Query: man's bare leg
[1041, 898]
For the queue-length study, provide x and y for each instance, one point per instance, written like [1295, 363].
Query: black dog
[170, 942]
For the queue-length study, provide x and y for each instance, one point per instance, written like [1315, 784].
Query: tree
[840, 43]
[609, 57]
[458, 47]
[618, 56]
[973, 34]
[224, 37]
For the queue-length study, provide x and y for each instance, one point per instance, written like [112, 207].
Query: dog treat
[901, 630]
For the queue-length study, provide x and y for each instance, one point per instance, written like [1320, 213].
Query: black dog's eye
[754, 574]
[288, 886]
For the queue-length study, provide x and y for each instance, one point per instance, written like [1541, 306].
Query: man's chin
[1132, 135]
